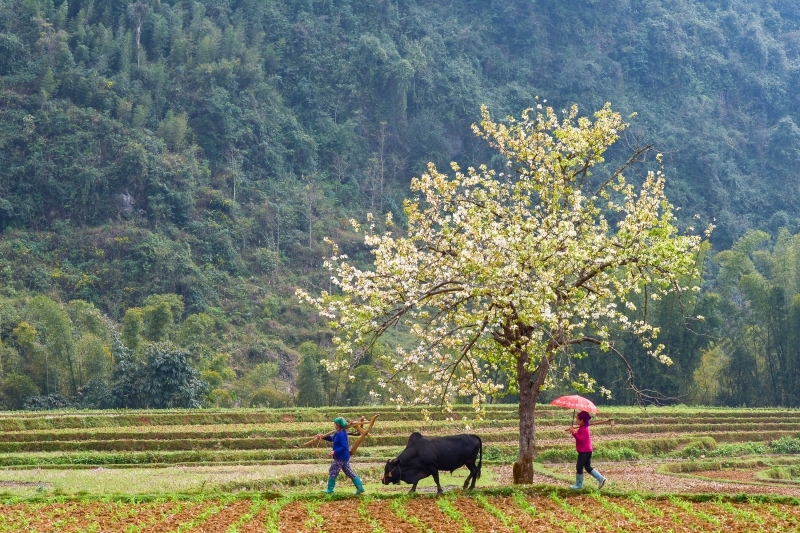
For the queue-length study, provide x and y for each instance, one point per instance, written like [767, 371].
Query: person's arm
[581, 435]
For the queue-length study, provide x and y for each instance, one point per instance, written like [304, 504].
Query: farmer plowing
[342, 451]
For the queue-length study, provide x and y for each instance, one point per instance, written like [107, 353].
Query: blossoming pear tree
[513, 271]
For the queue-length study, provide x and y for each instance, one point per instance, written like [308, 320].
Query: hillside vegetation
[170, 168]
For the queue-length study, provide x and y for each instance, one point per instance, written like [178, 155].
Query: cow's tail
[480, 458]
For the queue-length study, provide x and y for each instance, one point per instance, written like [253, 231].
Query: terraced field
[271, 436]
[247, 470]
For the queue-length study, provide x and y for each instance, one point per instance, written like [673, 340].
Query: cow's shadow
[423, 490]
[432, 490]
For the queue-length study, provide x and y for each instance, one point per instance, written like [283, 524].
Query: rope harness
[400, 473]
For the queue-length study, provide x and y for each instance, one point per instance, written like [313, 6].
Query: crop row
[516, 512]
[24, 421]
[499, 511]
[283, 436]
[548, 440]
[620, 449]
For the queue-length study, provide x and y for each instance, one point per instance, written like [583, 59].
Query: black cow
[425, 456]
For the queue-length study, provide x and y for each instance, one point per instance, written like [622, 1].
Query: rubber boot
[331, 484]
[358, 484]
[578, 482]
[600, 479]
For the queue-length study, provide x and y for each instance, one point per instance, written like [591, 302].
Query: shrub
[212, 378]
[557, 455]
[623, 453]
[46, 403]
[697, 448]
[508, 454]
[740, 448]
[270, 398]
[15, 389]
[220, 398]
[94, 395]
[778, 473]
[786, 444]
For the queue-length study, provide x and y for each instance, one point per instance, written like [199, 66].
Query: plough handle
[609, 421]
[358, 425]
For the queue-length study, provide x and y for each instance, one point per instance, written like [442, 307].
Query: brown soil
[51, 517]
[592, 512]
[222, 520]
[177, 516]
[126, 516]
[256, 525]
[293, 517]
[341, 515]
[730, 522]
[583, 510]
[731, 475]
[479, 518]
[390, 522]
[642, 477]
[82, 516]
[520, 517]
[426, 510]
[679, 519]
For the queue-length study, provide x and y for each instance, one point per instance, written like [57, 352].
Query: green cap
[341, 422]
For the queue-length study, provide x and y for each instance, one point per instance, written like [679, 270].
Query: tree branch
[619, 171]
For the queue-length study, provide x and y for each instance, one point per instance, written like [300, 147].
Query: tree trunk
[530, 384]
[523, 468]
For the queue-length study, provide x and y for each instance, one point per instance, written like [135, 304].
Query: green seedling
[398, 507]
[446, 506]
[497, 513]
[689, 509]
[314, 518]
[363, 512]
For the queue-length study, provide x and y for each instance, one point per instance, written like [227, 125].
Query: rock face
[127, 203]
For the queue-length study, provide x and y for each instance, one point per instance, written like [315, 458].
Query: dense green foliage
[169, 169]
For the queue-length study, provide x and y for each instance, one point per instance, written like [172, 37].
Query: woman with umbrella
[583, 444]
[583, 439]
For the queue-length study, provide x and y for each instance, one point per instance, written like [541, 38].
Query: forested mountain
[169, 170]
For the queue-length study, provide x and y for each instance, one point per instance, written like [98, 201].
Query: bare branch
[621, 169]
[643, 396]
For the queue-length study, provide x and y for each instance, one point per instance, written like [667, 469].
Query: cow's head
[391, 473]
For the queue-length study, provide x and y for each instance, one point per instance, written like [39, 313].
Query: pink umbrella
[575, 402]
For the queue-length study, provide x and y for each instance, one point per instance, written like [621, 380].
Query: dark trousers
[584, 461]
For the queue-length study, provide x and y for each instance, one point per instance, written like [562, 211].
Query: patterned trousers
[337, 466]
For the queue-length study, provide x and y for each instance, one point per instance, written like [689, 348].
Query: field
[669, 469]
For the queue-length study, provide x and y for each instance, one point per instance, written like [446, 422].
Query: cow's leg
[475, 472]
[414, 487]
[435, 475]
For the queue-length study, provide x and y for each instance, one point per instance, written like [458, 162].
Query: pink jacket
[583, 440]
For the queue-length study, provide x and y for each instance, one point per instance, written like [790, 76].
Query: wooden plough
[361, 432]
[600, 423]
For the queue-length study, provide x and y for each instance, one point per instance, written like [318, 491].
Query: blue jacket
[341, 448]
